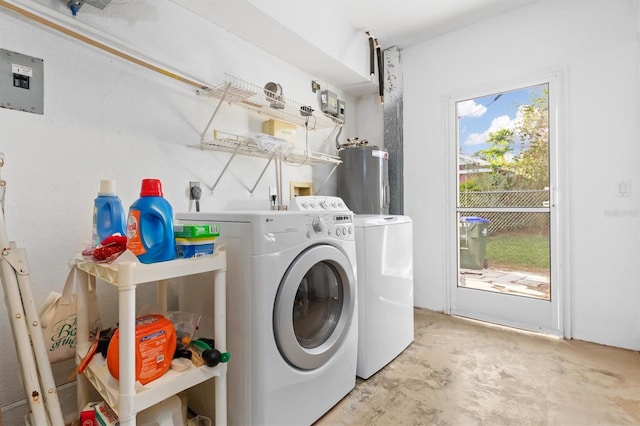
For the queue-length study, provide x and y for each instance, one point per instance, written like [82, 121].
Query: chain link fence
[515, 240]
[512, 198]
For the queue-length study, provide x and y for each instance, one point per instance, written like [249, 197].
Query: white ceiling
[403, 23]
[315, 35]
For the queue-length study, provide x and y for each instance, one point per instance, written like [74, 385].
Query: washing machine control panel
[329, 226]
[327, 216]
[317, 203]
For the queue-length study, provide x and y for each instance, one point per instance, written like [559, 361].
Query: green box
[196, 231]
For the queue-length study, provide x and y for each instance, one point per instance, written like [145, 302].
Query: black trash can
[473, 232]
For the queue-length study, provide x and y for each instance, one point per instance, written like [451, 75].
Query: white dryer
[291, 310]
[384, 246]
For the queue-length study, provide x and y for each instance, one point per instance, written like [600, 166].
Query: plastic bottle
[150, 225]
[108, 215]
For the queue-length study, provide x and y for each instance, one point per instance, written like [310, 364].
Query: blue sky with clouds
[480, 116]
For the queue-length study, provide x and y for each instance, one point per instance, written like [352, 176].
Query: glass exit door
[504, 209]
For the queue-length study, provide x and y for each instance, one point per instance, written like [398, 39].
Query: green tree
[529, 169]
[497, 155]
[532, 164]
[500, 144]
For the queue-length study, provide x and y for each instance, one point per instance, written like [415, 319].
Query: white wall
[107, 118]
[370, 119]
[595, 45]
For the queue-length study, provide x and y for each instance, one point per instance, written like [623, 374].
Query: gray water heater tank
[363, 179]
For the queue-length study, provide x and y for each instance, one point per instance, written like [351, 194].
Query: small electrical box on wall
[329, 102]
[21, 82]
[341, 108]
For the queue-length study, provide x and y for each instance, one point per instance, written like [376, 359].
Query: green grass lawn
[529, 252]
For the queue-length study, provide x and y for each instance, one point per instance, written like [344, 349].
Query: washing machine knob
[318, 225]
[324, 205]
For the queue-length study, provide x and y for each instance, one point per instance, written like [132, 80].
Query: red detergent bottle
[150, 225]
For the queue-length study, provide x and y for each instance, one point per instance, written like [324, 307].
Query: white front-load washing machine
[292, 318]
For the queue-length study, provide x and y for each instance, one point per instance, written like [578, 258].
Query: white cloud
[471, 109]
[476, 139]
[502, 122]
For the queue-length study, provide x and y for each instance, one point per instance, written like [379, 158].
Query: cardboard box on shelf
[280, 129]
[105, 415]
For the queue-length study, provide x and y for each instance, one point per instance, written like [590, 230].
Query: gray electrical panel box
[21, 82]
[329, 102]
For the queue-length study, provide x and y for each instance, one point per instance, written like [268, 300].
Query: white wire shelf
[237, 91]
[236, 144]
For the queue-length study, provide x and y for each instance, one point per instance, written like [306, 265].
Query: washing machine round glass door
[314, 306]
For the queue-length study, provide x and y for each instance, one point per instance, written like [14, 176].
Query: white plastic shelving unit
[126, 396]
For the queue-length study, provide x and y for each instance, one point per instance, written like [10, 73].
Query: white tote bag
[58, 317]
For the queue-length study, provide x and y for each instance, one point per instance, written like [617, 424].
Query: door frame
[559, 232]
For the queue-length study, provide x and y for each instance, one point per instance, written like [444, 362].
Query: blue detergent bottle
[108, 215]
[150, 225]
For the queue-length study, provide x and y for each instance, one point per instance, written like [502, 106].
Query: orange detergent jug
[155, 344]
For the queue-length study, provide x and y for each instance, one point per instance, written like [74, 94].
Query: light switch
[623, 188]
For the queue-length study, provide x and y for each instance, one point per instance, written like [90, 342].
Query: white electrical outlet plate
[623, 188]
[194, 191]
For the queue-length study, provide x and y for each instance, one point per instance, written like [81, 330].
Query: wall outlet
[195, 192]
[623, 188]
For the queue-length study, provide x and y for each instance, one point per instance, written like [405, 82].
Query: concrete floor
[462, 372]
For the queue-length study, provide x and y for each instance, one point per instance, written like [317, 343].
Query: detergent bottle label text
[134, 241]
